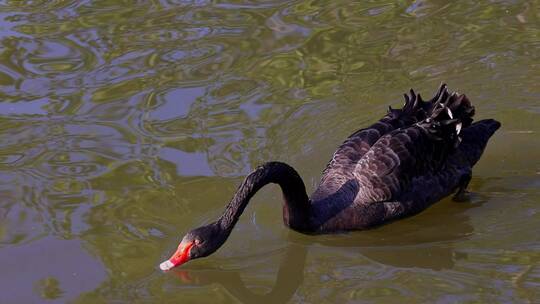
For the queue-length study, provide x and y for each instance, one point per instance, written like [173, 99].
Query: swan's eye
[198, 242]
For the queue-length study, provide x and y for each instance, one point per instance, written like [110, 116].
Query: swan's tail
[450, 123]
[476, 137]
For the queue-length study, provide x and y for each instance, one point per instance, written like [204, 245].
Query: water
[124, 125]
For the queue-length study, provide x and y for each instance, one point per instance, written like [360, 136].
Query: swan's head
[197, 243]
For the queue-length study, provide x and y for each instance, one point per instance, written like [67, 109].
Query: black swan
[397, 167]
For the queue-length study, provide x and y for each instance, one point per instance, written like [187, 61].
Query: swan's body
[397, 167]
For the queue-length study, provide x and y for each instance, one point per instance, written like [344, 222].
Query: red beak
[178, 258]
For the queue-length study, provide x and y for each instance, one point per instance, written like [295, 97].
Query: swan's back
[420, 159]
[340, 167]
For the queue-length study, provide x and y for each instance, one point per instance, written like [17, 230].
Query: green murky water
[125, 123]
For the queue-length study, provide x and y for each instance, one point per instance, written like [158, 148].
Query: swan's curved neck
[296, 206]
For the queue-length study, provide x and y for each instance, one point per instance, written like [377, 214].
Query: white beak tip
[167, 265]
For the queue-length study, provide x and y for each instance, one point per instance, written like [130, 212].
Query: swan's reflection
[424, 242]
[289, 277]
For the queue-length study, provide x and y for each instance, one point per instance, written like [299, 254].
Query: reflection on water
[122, 125]
[416, 249]
[289, 277]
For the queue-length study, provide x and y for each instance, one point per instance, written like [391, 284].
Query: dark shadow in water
[289, 277]
[403, 247]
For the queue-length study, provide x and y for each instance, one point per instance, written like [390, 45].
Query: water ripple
[122, 126]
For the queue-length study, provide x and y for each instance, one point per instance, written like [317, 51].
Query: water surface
[125, 123]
